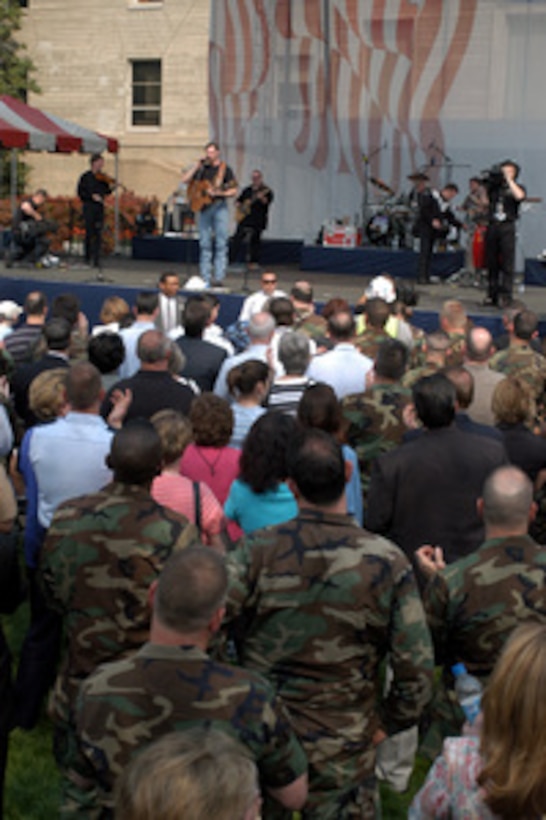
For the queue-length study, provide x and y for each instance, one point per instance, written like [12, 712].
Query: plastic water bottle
[469, 692]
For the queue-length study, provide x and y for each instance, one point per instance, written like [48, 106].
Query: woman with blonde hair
[114, 313]
[514, 409]
[197, 774]
[503, 774]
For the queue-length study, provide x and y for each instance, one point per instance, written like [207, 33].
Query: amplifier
[340, 236]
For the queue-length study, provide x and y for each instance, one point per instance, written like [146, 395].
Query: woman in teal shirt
[260, 496]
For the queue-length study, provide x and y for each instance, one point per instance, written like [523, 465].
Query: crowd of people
[245, 560]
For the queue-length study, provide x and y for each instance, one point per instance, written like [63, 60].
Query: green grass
[32, 780]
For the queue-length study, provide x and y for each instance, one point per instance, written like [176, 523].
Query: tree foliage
[16, 68]
[16, 78]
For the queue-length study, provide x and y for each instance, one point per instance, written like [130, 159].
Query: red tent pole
[116, 207]
[13, 181]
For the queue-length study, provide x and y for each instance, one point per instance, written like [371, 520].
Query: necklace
[211, 466]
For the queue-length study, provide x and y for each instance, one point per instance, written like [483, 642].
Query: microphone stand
[367, 158]
[446, 162]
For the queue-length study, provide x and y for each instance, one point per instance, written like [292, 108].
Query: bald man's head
[507, 500]
[479, 344]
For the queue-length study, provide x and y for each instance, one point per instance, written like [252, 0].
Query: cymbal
[381, 185]
[533, 199]
[418, 176]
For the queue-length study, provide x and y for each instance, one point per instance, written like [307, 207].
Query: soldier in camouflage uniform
[316, 604]
[101, 553]
[520, 360]
[375, 416]
[454, 322]
[435, 349]
[172, 684]
[306, 320]
[377, 311]
[473, 604]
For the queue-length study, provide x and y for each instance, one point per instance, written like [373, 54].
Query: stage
[360, 261]
[125, 277]
[371, 261]
[178, 248]
[535, 272]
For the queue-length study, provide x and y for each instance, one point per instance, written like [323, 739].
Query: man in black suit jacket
[57, 334]
[425, 491]
[153, 388]
[203, 359]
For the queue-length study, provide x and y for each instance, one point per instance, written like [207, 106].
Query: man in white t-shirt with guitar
[211, 183]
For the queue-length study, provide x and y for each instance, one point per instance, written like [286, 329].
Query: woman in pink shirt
[209, 458]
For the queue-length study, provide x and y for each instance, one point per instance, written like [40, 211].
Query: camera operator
[504, 196]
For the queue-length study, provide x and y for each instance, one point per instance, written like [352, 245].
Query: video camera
[493, 177]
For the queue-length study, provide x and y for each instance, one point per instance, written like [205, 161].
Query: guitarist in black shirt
[252, 210]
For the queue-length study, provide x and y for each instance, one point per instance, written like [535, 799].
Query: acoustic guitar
[201, 192]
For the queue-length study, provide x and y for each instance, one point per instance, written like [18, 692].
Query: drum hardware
[382, 185]
[476, 278]
[379, 229]
[466, 278]
[401, 211]
[390, 225]
[367, 158]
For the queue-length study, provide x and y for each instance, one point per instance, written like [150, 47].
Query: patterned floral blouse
[451, 789]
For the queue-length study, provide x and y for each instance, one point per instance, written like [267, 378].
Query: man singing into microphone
[210, 184]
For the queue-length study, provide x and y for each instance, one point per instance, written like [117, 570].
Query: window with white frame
[146, 90]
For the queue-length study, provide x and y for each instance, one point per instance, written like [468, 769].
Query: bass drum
[379, 229]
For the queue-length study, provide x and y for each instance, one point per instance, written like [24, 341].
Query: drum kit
[392, 218]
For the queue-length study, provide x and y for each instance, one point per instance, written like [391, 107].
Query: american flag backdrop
[313, 90]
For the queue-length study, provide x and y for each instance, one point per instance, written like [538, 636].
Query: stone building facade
[136, 70]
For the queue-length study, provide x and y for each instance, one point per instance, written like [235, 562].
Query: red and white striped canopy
[22, 126]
